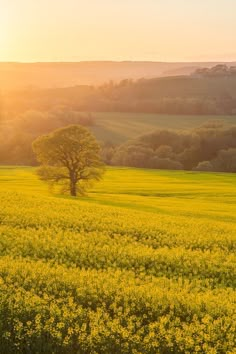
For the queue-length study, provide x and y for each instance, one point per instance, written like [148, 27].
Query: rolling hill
[59, 74]
[169, 95]
[118, 127]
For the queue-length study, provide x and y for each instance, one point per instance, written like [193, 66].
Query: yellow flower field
[145, 263]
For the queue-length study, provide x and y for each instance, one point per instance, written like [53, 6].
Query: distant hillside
[117, 128]
[190, 95]
[52, 75]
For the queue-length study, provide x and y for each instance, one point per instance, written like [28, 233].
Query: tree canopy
[69, 157]
[210, 147]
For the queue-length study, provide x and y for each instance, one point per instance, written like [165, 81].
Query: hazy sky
[159, 30]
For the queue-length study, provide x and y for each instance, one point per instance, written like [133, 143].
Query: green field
[144, 264]
[120, 127]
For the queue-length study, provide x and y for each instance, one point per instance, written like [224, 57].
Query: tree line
[18, 131]
[217, 70]
[211, 147]
[207, 91]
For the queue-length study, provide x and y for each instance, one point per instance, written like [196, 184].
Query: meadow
[118, 127]
[144, 264]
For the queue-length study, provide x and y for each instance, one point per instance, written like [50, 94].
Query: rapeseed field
[145, 263]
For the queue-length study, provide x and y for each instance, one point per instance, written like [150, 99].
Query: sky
[81, 30]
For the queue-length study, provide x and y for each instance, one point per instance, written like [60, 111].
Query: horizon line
[115, 61]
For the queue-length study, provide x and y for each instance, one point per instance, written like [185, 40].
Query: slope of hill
[134, 268]
[118, 127]
[50, 75]
[170, 95]
[110, 128]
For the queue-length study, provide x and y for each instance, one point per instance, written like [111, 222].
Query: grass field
[144, 264]
[120, 127]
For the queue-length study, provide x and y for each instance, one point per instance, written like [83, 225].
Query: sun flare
[4, 30]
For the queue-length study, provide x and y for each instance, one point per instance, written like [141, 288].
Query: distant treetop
[218, 70]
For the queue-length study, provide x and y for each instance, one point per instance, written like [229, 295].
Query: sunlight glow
[75, 30]
[4, 29]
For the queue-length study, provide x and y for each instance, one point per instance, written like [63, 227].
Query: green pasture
[118, 127]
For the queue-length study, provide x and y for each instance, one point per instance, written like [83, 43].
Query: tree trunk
[73, 191]
[73, 181]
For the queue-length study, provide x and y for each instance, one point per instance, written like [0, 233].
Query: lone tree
[69, 157]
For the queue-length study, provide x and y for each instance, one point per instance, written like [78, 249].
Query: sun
[4, 29]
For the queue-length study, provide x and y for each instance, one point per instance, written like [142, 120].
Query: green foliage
[111, 128]
[69, 156]
[211, 147]
[153, 271]
[211, 94]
